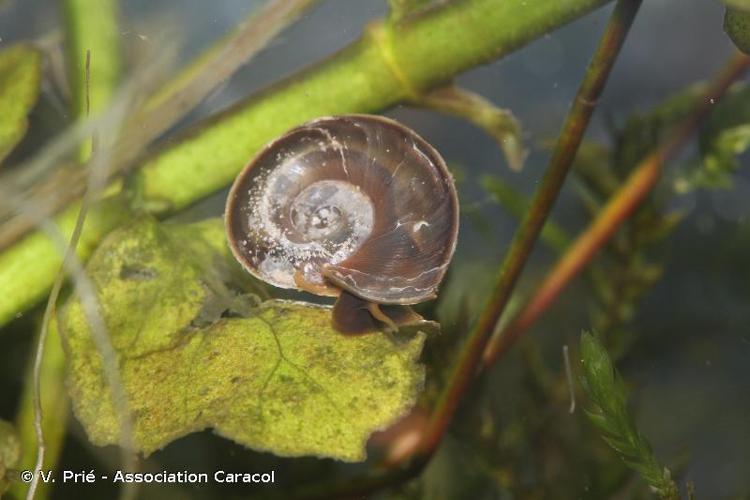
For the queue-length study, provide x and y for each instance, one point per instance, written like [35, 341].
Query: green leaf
[737, 26]
[724, 137]
[10, 452]
[20, 70]
[278, 379]
[609, 413]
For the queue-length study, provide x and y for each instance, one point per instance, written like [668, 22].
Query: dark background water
[692, 366]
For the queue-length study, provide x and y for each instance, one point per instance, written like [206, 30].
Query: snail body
[355, 203]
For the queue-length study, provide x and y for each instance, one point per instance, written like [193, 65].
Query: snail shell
[358, 202]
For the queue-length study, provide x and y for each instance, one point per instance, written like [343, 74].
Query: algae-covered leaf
[276, 378]
[20, 68]
[10, 452]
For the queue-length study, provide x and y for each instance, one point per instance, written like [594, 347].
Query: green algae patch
[194, 353]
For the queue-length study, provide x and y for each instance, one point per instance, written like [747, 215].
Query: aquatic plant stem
[617, 210]
[523, 242]
[91, 25]
[386, 66]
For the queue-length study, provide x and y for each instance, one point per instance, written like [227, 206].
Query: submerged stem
[523, 242]
[618, 209]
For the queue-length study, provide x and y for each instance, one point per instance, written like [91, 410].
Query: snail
[357, 207]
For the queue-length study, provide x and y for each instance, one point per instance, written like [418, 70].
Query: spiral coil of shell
[356, 202]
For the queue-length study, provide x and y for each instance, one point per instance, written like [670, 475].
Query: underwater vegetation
[404, 249]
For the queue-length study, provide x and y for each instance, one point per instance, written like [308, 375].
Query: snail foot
[353, 315]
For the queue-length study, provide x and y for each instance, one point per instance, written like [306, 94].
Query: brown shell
[358, 202]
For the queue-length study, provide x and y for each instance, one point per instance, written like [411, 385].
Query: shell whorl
[357, 202]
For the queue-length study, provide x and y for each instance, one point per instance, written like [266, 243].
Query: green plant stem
[387, 65]
[523, 242]
[91, 25]
[622, 204]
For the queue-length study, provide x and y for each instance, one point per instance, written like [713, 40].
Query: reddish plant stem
[523, 242]
[618, 209]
